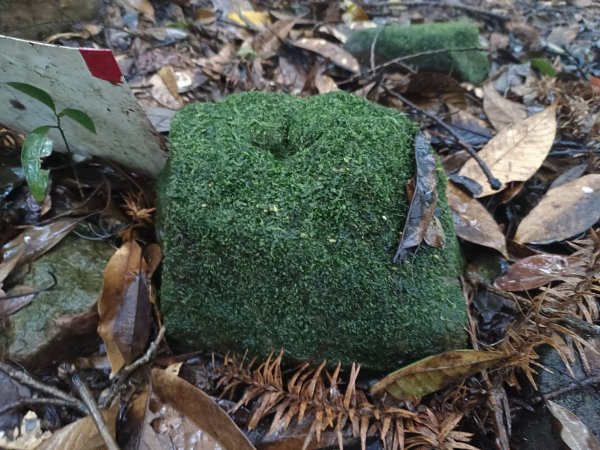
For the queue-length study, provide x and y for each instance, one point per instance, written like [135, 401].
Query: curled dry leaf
[422, 204]
[435, 372]
[516, 152]
[199, 408]
[335, 53]
[533, 272]
[573, 432]
[473, 222]
[500, 111]
[124, 305]
[564, 211]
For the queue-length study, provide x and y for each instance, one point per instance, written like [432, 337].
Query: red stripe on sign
[102, 64]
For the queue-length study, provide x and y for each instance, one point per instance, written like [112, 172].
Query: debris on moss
[279, 219]
[394, 41]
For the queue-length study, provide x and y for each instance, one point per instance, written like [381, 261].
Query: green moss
[279, 219]
[395, 41]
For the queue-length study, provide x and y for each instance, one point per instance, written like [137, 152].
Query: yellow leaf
[259, 19]
[435, 372]
[516, 152]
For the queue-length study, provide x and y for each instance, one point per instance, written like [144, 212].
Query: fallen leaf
[324, 84]
[533, 272]
[423, 202]
[17, 298]
[335, 53]
[574, 433]
[83, 433]
[162, 94]
[124, 305]
[500, 111]
[435, 372]
[268, 41]
[516, 152]
[167, 74]
[199, 408]
[144, 7]
[33, 243]
[256, 19]
[569, 175]
[11, 254]
[563, 212]
[473, 222]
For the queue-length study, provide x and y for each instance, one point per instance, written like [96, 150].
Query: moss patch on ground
[279, 218]
[395, 41]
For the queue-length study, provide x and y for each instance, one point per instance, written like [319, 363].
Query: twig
[91, 405]
[34, 401]
[590, 381]
[493, 181]
[375, 39]
[23, 378]
[124, 373]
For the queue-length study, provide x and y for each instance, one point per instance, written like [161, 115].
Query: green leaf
[544, 66]
[34, 92]
[80, 117]
[435, 372]
[36, 146]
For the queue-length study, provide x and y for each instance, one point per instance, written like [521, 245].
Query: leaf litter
[517, 154]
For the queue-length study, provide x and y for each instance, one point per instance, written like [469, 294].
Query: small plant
[38, 145]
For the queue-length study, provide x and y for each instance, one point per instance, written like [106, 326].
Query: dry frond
[316, 396]
[544, 317]
[134, 208]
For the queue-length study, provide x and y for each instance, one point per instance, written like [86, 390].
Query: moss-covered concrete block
[279, 219]
[394, 41]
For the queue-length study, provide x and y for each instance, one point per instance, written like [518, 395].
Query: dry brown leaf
[564, 211]
[199, 408]
[500, 111]
[162, 94]
[144, 7]
[516, 152]
[167, 74]
[268, 42]
[124, 305]
[435, 372]
[573, 432]
[335, 53]
[83, 433]
[324, 84]
[533, 272]
[473, 222]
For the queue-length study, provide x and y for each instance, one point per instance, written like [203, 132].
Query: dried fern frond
[317, 396]
[543, 318]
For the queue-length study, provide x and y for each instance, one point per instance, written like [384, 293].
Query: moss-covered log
[279, 219]
[432, 41]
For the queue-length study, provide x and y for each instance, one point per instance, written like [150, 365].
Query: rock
[279, 219]
[59, 323]
[535, 429]
[395, 41]
[34, 19]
